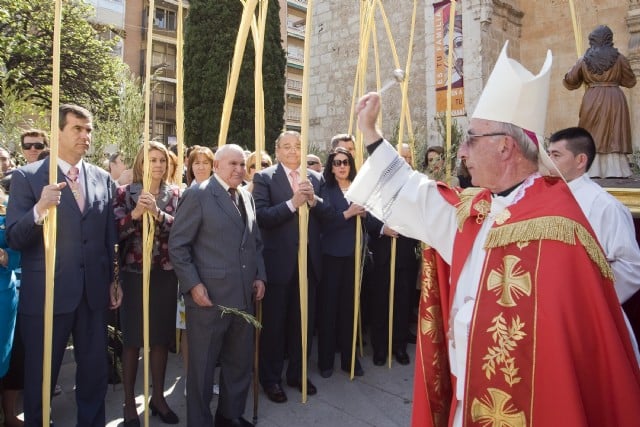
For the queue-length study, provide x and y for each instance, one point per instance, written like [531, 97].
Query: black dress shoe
[402, 357]
[168, 417]
[379, 358]
[326, 373]
[275, 393]
[222, 421]
[311, 389]
[357, 370]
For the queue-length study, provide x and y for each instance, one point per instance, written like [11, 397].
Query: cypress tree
[210, 35]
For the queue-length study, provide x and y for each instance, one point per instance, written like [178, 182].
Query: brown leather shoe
[311, 389]
[275, 393]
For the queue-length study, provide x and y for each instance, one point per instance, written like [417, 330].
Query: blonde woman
[130, 204]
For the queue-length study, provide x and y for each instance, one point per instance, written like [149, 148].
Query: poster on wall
[441, 42]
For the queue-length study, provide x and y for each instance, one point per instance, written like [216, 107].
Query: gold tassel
[550, 228]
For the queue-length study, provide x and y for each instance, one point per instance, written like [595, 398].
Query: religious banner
[441, 24]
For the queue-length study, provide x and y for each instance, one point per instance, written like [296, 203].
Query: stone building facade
[531, 26]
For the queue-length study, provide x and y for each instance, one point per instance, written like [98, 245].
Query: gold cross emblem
[430, 324]
[495, 411]
[509, 281]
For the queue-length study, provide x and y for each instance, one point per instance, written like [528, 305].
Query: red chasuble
[548, 345]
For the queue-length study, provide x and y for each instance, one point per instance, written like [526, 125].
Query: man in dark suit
[279, 192]
[84, 256]
[216, 251]
[406, 273]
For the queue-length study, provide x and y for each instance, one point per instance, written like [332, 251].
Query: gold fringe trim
[550, 228]
[463, 208]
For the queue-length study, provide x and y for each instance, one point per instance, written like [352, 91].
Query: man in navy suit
[279, 192]
[84, 255]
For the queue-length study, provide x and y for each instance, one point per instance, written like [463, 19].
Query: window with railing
[164, 95]
[295, 54]
[164, 19]
[163, 57]
[294, 85]
[293, 114]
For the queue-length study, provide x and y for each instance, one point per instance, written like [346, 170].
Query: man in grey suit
[216, 251]
[83, 272]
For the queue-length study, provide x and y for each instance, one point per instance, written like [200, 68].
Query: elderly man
[279, 192]
[86, 237]
[524, 263]
[216, 251]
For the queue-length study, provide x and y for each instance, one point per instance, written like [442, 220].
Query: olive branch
[506, 338]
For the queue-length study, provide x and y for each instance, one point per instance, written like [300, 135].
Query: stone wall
[335, 51]
[531, 26]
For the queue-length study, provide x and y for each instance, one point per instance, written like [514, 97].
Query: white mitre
[514, 95]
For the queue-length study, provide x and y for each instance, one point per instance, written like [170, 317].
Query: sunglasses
[338, 163]
[312, 163]
[263, 164]
[30, 145]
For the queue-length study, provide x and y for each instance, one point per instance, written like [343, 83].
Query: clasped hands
[304, 194]
[146, 203]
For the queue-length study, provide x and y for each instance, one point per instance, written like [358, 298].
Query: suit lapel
[248, 208]
[281, 180]
[90, 185]
[226, 204]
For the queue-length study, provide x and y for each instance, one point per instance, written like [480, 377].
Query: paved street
[381, 398]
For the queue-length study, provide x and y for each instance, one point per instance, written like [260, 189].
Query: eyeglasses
[472, 136]
[312, 163]
[337, 163]
[290, 148]
[263, 164]
[30, 145]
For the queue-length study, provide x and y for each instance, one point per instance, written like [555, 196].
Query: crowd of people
[525, 259]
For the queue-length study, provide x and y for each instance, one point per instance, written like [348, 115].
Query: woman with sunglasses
[335, 295]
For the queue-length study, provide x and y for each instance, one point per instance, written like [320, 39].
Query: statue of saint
[604, 111]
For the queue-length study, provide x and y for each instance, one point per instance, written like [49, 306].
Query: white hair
[222, 151]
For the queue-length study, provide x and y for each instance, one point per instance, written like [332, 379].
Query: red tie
[76, 188]
[294, 180]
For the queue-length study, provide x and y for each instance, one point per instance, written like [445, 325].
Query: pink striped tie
[76, 188]
[294, 180]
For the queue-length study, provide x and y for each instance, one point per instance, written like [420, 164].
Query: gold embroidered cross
[509, 281]
[495, 411]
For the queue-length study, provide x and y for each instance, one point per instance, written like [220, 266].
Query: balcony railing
[295, 30]
[294, 86]
[295, 57]
[298, 4]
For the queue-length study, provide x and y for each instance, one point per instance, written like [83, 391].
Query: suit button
[244, 266]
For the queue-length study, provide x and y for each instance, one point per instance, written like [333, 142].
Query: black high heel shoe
[133, 422]
[168, 417]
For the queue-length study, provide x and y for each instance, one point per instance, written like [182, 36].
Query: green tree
[123, 129]
[207, 61]
[89, 70]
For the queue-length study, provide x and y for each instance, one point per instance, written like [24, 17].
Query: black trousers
[280, 336]
[335, 310]
[405, 283]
